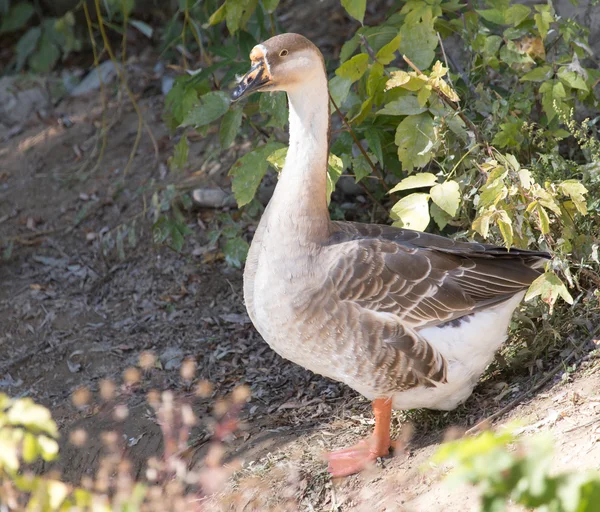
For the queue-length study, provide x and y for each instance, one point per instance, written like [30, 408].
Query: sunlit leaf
[505, 225]
[354, 68]
[576, 191]
[412, 211]
[335, 167]
[447, 196]
[419, 180]
[549, 287]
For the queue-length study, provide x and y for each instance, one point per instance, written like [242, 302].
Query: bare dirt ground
[72, 317]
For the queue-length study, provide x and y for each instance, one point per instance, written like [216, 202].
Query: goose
[406, 318]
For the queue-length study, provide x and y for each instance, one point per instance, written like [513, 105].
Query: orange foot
[358, 457]
[355, 459]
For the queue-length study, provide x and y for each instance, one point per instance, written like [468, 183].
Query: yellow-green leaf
[482, 224]
[386, 54]
[505, 225]
[544, 219]
[422, 179]
[335, 167]
[412, 212]
[354, 68]
[447, 196]
[355, 8]
[549, 287]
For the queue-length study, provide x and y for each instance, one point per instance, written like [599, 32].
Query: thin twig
[482, 424]
[450, 103]
[122, 78]
[104, 129]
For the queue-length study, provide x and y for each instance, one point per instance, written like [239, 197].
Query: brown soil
[72, 317]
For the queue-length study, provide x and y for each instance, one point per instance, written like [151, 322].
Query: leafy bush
[506, 469]
[485, 146]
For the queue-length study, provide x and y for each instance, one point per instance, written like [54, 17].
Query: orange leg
[358, 457]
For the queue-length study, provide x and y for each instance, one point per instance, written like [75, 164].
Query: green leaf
[274, 104]
[354, 68]
[496, 16]
[414, 138]
[419, 180]
[26, 46]
[412, 211]
[237, 12]
[376, 81]
[542, 21]
[230, 126]
[505, 225]
[403, 106]
[212, 106]
[180, 156]
[349, 47]
[335, 167]
[440, 217]
[386, 54]
[355, 8]
[270, 5]
[549, 287]
[418, 43]
[447, 196]
[553, 93]
[540, 74]
[236, 251]
[277, 158]
[218, 16]
[249, 170]
[17, 17]
[361, 167]
[516, 14]
[573, 79]
[46, 56]
[373, 137]
[339, 88]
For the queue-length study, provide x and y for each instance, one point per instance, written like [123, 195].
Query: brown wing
[424, 279]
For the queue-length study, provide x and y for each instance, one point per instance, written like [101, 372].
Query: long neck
[301, 192]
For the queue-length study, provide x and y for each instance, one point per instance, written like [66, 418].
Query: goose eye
[283, 53]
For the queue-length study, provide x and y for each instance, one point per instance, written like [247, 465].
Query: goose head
[282, 63]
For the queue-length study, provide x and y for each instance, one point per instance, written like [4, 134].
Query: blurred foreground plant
[505, 468]
[173, 481]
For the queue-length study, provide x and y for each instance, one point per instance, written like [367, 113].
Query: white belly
[468, 349]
